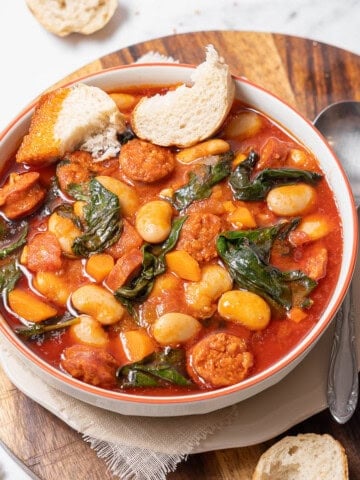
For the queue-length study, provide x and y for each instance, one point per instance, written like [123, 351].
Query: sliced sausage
[144, 162]
[91, 365]
[72, 172]
[126, 267]
[21, 195]
[220, 360]
[198, 236]
[79, 167]
[128, 240]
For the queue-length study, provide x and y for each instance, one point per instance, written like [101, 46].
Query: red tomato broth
[267, 345]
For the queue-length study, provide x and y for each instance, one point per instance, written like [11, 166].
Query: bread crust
[308, 456]
[63, 17]
[68, 118]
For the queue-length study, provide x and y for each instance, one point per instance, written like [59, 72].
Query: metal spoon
[340, 124]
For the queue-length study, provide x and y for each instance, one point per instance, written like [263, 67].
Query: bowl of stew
[256, 252]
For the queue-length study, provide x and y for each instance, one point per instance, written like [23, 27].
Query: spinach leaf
[79, 191]
[153, 264]
[13, 236]
[246, 255]
[104, 224]
[158, 369]
[36, 329]
[9, 275]
[51, 200]
[246, 188]
[200, 184]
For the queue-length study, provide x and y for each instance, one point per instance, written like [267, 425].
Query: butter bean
[203, 149]
[128, 198]
[202, 296]
[89, 332]
[289, 200]
[153, 221]
[65, 231]
[246, 308]
[244, 125]
[98, 303]
[174, 328]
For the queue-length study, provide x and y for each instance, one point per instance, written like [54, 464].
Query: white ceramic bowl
[199, 403]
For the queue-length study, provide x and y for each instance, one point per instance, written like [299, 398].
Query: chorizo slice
[91, 365]
[128, 240]
[220, 360]
[198, 236]
[44, 253]
[144, 162]
[72, 172]
[21, 195]
[78, 167]
[125, 267]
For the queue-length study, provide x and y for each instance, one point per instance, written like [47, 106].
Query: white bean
[201, 296]
[153, 221]
[98, 303]
[315, 227]
[246, 308]
[128, 198]
[290, 200]
[89, 332]
[215, 146]
[174, 328]
[65, 231]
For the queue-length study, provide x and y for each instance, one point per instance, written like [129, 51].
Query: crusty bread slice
[307, 456]
[67, 118]
[72, 16]
[188, 114]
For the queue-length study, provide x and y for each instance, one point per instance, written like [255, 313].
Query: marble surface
[33, 59]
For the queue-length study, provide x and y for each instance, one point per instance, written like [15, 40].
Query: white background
[33, 59]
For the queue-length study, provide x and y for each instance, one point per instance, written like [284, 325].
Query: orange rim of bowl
[285, 361]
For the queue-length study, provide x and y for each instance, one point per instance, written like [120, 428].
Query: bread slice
[188, 114]
[63, 17]
[307, 456]
[69, 117]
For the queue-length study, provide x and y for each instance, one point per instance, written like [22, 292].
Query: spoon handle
[342, 391]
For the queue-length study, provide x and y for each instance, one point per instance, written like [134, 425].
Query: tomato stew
[166, 270]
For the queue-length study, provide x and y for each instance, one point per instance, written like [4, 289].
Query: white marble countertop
[33, 59]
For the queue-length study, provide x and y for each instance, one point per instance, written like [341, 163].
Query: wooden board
[307, 74]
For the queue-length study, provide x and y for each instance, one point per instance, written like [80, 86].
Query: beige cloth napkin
[136, 448]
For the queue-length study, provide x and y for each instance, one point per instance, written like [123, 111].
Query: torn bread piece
[63, 17]
[188, 114]
[72, 118]
[307, 456]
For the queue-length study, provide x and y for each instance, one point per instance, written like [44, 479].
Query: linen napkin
[134, 448]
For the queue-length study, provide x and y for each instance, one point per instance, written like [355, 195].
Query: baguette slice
[69, 118]
[72, 16]
[307, 456]
[187, 115]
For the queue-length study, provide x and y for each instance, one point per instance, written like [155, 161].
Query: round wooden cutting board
[307, 74]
